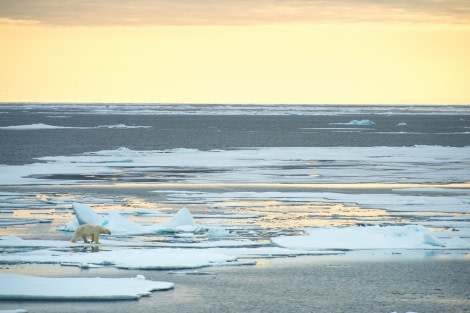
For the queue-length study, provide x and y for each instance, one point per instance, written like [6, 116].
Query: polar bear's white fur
[90, 230]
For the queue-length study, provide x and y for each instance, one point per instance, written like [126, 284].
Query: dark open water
[206, 132]
[316, 285]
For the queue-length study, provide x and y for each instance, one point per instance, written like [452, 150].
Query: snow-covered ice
[293, 165]
[25, 287]
[366, 238]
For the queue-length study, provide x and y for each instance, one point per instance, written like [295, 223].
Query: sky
[236, 51]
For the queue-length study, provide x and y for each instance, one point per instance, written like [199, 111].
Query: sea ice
[364, 238]
[33, 127]
[261, 165]
[358, 123]
[39, 126]
[127, 258]
[182, 221]
[24, 287]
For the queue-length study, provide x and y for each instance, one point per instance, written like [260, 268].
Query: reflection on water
[255, 218]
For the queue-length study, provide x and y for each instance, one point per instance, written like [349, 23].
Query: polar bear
[90, 230]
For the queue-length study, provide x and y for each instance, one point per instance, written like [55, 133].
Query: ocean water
[88, 128]
[252, 177]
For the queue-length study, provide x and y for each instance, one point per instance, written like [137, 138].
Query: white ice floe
[36, 126]
[357, 123]
[23, 287]
[122, 126]
[371, 237]
[114, 256]
[39, 126]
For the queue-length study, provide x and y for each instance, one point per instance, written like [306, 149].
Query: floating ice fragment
[373, 237]
[182, 217]
[219, 232]
[358, 123]
[24, 287]
[86, 215]
[33, 127]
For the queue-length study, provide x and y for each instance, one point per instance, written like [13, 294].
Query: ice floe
[182, 221]
[25, 287]
[290, 165]
[36, 126]
[40, 126]
[372, 237]
[54, 252]
[357, 123]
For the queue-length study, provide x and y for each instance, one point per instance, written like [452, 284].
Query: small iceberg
[25, 287]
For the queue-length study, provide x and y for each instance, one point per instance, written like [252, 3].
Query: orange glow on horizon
[268, 64]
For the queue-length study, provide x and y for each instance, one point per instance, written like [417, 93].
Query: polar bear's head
[104, 230]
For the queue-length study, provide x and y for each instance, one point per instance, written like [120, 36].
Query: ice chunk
[71, 225]
[182, 217]
[33, 127]
[219, 232]
[358, 123]
[372, 237]
[23, 287]
[86, 215]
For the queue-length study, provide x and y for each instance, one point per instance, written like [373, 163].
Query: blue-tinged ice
[358, 123]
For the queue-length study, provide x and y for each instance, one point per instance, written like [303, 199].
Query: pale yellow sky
[309, 52]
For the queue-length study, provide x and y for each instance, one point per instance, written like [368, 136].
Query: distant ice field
[29, 131]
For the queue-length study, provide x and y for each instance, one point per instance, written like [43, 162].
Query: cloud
[233, 12]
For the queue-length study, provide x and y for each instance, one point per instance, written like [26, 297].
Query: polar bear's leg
[92, 237]
[78, 233]
[74, 238]
[96, 236]
[84, 239]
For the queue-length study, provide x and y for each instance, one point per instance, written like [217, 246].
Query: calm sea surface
[94, 132]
